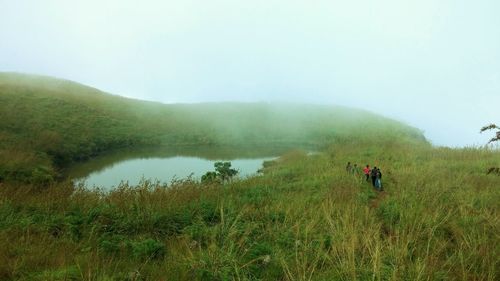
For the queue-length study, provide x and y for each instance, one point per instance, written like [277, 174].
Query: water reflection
[167, 163]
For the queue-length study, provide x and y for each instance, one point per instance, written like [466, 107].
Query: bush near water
[305, 218]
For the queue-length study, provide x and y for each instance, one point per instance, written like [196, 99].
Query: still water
[166, 164]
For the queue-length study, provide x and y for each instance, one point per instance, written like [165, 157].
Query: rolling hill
[46, 123]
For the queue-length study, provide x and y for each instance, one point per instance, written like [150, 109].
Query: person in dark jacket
[378, 180]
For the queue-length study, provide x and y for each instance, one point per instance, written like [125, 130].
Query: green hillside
[304, 218]
[46, 123]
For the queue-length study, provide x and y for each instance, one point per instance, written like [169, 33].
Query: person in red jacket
[367, 170]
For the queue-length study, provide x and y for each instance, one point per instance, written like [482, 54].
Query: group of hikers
[370, 173]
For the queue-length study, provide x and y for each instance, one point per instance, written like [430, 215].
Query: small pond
[166, 164]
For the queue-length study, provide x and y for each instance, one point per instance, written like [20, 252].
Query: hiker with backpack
[378, 180]
[373, 175]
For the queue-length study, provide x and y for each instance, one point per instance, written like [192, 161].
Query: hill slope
[47, 123]
[305, 218]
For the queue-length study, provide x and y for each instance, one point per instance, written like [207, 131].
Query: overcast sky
[434, 64]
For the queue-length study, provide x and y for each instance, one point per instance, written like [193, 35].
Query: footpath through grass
[304, 219]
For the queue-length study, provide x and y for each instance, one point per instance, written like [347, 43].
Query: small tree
[492, 127]
[493, 170]
[209, 177]
[223, 172]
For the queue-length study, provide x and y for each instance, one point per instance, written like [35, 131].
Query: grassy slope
[305, 219]
[47, 123]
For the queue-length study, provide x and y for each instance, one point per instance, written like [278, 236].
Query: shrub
[42, 175]
[171, 223]
[111, 244]
[198, 232]
[260, 258]
[208, 212]
[75, 222]
[147, 249]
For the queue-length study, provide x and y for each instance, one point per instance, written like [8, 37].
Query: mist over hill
[47, 123]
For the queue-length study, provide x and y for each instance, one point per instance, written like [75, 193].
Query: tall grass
[305, 219]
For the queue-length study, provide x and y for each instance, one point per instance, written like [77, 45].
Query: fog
[432, 64]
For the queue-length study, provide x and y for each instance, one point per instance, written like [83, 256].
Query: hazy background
[433, 64]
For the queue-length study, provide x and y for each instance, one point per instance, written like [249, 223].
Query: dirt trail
[374, 203]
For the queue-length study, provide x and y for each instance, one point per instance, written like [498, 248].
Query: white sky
[434, 64]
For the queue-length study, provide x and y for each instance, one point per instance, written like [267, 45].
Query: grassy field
[46, 123]
[305, 218]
